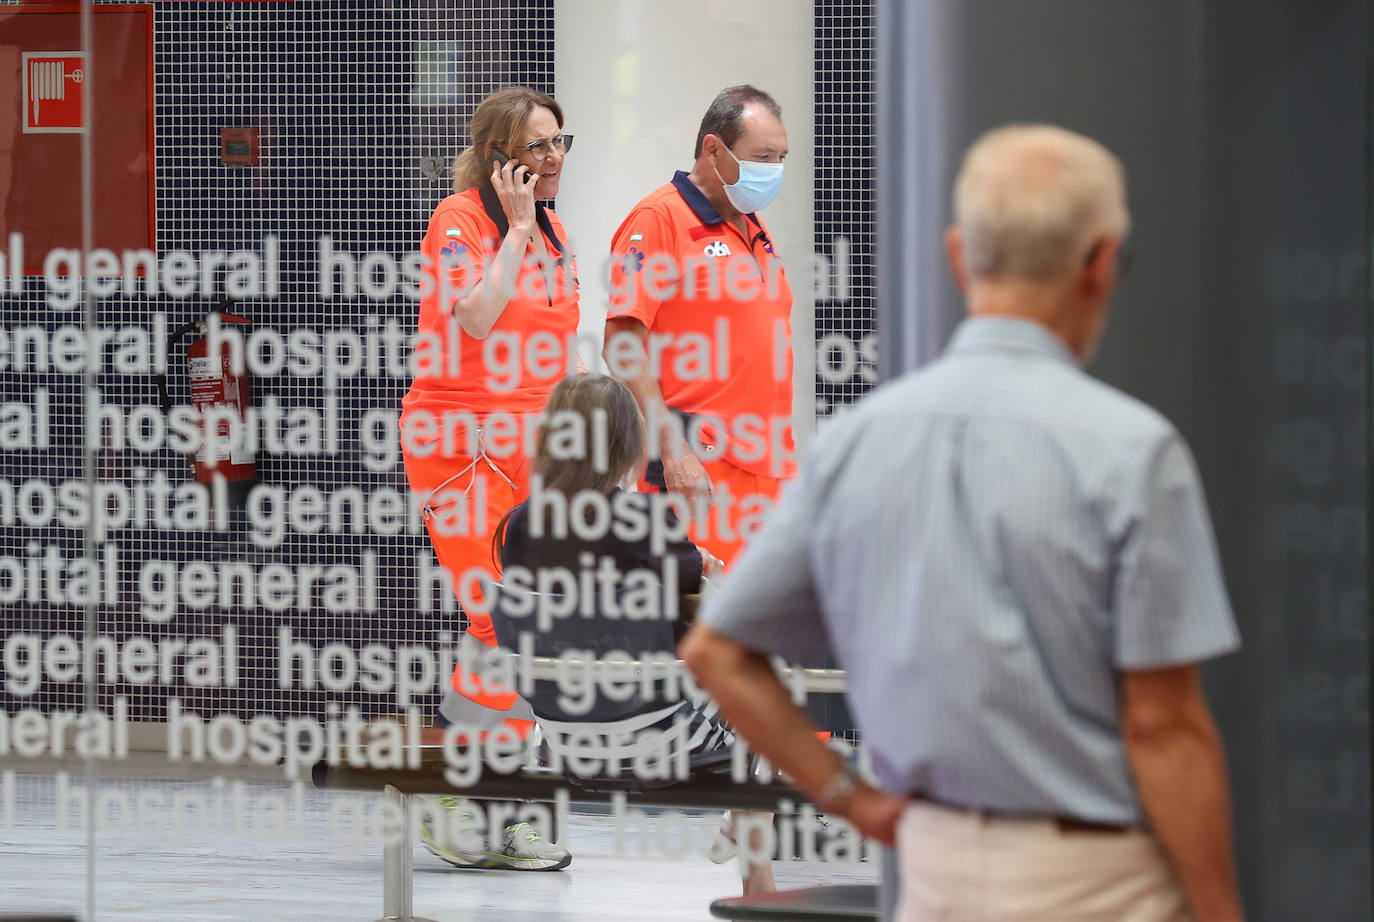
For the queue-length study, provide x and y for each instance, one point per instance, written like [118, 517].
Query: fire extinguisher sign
[52, 85]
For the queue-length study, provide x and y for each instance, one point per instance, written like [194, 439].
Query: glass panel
[225, 559]
[62, 67]
[212, 513]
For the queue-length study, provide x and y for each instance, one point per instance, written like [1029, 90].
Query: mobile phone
[499, 159]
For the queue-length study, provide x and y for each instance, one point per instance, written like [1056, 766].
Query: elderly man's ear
[954, 252]
[1098, 277]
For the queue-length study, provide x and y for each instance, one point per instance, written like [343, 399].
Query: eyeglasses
[541, 149]
[1124, 257]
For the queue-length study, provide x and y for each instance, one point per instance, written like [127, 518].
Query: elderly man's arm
[683, 471]
[770, 603]
[1180, 770]
[760, 709]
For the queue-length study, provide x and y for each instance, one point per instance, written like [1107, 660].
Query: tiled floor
[147, 872]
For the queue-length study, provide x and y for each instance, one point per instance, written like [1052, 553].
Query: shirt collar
[704, 210]
[1009, 334]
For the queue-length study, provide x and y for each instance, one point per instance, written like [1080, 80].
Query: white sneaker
[522, 847]
[440, 845]
[723, 846]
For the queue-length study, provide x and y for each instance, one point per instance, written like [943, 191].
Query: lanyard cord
[428, 509]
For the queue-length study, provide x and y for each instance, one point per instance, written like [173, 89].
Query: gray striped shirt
[985, 544]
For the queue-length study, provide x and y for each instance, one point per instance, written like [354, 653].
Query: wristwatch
[838, 791]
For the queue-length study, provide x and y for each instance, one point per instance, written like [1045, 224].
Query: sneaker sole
[506, 862]
[495, 861]
[721, 853]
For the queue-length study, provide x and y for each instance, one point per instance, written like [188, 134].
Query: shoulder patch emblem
[453, 255]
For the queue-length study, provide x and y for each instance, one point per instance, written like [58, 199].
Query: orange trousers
[465, 499]
[742, 500]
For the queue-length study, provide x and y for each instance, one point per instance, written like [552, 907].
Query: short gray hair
[1031, 200]
[724, 118]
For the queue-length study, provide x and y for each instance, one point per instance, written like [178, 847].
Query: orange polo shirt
[720, 307]
[455, 371]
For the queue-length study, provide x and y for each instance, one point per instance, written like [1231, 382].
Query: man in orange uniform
[699, 324]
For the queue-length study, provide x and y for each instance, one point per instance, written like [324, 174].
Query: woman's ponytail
[467, 170]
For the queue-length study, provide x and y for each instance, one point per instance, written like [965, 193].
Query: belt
[1065, 824]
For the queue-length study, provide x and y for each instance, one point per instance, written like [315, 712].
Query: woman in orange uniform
[502, 276]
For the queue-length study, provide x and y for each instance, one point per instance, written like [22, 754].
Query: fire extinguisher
[214, 384]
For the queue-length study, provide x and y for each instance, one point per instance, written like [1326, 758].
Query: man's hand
[685, 476]
[711, 565]
[743, 683]
[876, 813]
[682, 469]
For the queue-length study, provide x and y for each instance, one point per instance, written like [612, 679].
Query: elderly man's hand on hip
[875, 813]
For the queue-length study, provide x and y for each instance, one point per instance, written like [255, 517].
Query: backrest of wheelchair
[592, 633]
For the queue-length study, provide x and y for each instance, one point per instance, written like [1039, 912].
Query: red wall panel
[40, 173]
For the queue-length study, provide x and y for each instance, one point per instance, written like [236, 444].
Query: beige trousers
[968, 867]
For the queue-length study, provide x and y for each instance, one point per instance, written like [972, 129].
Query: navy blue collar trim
[699, 204]
[492, 206]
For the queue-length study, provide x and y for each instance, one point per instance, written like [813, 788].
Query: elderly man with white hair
[1014, 563]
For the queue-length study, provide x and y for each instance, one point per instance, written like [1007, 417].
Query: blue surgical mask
[758, 184]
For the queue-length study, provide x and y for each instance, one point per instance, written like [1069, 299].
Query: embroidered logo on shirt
[638, 256]
[634, 237]
[717, 248]
[453, 232]
[451, 256]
